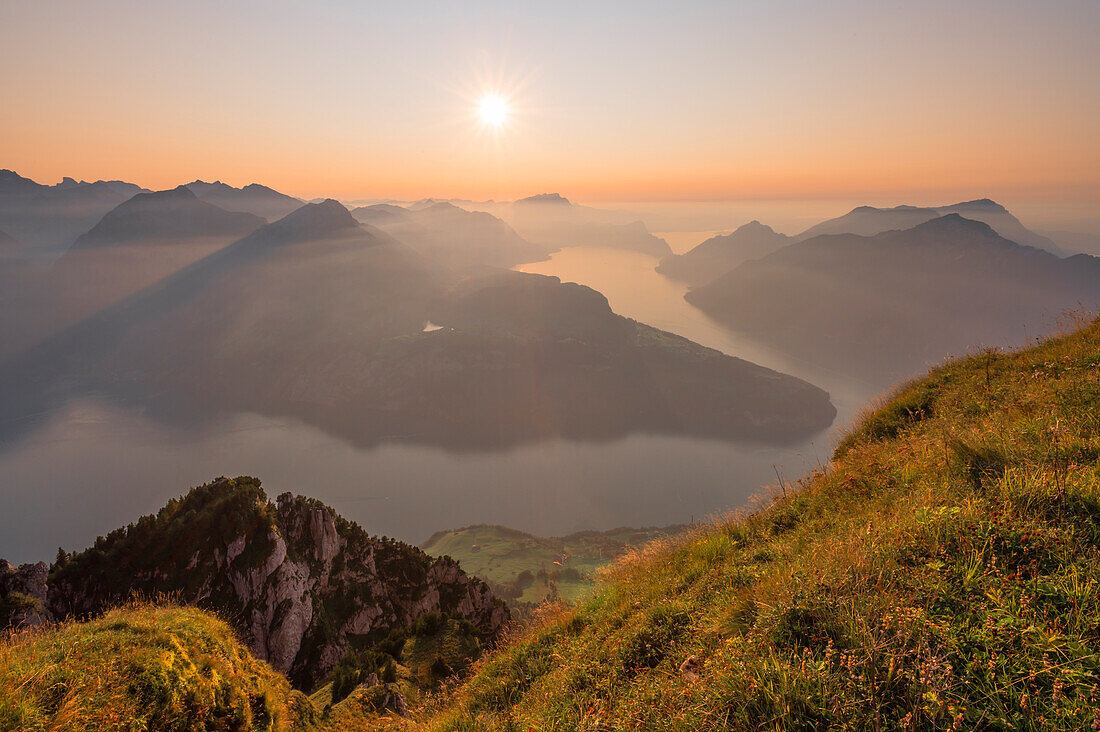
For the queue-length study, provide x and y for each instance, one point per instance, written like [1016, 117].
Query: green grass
[521, 567]
[158, 667]
[942, 573]
[141, 667]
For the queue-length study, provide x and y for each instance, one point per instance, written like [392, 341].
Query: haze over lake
[93, 463]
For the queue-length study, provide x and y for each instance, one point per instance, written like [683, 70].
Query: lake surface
[94, 465]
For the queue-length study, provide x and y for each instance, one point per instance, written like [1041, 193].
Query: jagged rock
[303, 585]
[23, 593]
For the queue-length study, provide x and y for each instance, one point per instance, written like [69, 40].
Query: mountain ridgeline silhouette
[46, 219]
[164, 217]
[256, 199]
[888, 305]
[721, 253]
[868, 221]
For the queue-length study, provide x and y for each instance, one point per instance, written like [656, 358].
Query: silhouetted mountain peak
[981, 203]
[180, 195]
[754, 226]
[953, 224]
[904, 208]
[257, 188]
[201, 187]
[173, 214]
[10, 181]
[552, 198]
[314, 221]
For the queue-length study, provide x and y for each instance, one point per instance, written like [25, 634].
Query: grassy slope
[157, 667]
[141, 667]
[505, 554]
[942, 573]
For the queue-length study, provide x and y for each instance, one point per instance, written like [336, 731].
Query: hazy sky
[631, 101]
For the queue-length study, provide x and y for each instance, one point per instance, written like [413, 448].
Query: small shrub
[654, 640]
[808, 624]
[978, 463]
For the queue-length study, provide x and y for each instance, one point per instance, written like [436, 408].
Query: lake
[94, 465]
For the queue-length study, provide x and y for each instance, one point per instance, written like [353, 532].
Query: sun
[493, 110]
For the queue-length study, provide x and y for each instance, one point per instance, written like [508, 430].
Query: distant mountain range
[49, 218]
[137, 243]
[463, 241]
[166, 217]
[552, 221]
[868, 221]
[319, 317]
[721, 253]
[886, 306]
[254, 198]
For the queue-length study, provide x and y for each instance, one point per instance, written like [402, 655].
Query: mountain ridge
[254, 198]
[47, 219]
[890, 305]
[720, 254]
[167, 215]
[869, 220]
[303, 586]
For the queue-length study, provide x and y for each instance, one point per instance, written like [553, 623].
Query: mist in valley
[538, 364]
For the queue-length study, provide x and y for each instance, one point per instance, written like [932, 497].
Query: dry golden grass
[942, 573]
[142, 666]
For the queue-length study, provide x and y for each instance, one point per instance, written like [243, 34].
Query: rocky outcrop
[23, 595]
[302, 585]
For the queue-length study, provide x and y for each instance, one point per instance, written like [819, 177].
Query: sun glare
[493, 110]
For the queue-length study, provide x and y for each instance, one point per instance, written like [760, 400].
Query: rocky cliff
[302, 585]
[23, 595]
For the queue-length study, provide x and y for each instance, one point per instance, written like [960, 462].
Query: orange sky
[621, 101]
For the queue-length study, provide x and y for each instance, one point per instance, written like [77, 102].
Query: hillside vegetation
[142, 667]
[526, 570]
[942, 573]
